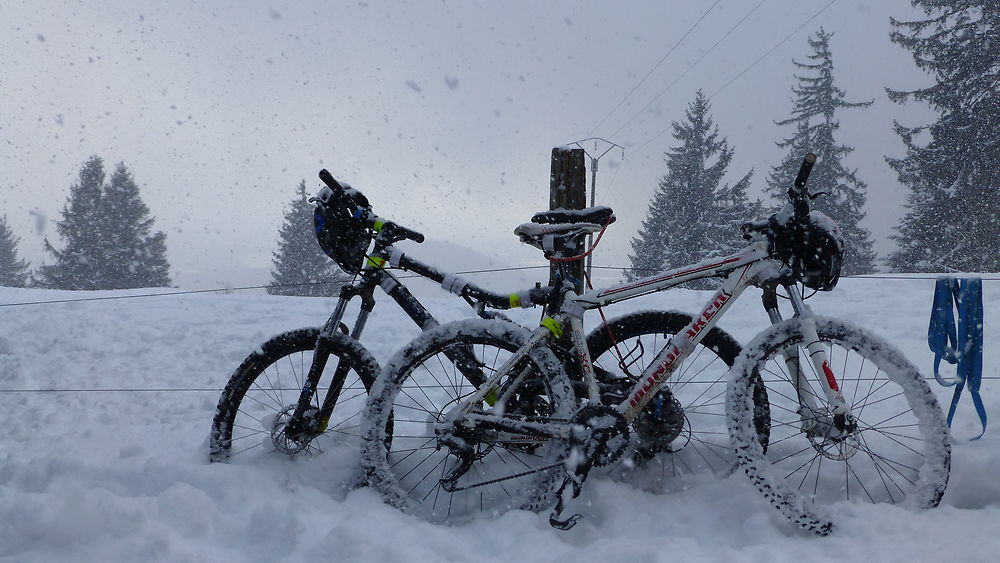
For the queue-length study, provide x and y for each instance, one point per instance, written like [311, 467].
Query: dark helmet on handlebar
[813, 249]
[341, 235]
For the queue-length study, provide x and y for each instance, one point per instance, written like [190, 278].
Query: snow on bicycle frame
[491, 435]
[773, 258]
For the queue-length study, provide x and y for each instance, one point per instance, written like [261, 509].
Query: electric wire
[744, 71]
[779, 44]
[656, 66]
[689, 67]
[929, 277]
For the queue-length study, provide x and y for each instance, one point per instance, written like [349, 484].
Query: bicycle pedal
[564, 524]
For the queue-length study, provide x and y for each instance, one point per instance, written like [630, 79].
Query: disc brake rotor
[282, 442]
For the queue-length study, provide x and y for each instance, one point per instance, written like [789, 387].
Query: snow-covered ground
[105, 408]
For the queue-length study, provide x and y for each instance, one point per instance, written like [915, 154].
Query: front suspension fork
[306, 420]
[810, 411]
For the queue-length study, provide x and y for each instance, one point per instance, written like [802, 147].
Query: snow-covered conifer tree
[299, 266]
[692, 215]
[106, 231]
[13, 271]
[817, 101]
[952, 221]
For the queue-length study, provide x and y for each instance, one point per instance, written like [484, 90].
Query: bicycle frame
[371, 277]
[750, 267]
[374, 274]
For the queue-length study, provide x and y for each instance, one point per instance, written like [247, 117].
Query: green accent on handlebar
[554, 326]
[377, 226]
[376, 262]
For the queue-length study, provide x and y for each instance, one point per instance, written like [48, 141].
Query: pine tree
[77, 264]
[299, 265]
[13, 271]
[133, 256]
[734, 209]
[106, 228]
[952, 221]
[817, 100]
[692, 217]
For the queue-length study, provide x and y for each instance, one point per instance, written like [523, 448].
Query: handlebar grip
[329, 180]
[391, 229]
[804, 170]
[410, 234]
[339, 192]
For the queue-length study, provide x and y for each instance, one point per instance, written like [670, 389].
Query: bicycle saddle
[598, 214]
[555, 240]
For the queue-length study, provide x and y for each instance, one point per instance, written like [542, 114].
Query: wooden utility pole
[568, 190]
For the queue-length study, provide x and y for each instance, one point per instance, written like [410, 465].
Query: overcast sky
[443, 113]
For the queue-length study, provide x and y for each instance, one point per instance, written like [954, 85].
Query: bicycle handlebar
[797, 194]
[804, 170]
[339, 191]
[393, 230]
[798, 198]
[397, 229]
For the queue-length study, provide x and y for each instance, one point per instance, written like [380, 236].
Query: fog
[443, 113]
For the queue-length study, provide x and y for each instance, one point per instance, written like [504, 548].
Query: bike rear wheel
[681, 434]
[415, 472]
[899, 453]
[262, 393]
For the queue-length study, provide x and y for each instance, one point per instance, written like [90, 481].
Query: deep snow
[92, 469]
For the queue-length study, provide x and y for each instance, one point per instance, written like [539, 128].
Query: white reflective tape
[525, 298]
[453, 284]
[396, 257]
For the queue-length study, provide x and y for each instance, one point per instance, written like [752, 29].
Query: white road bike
[846, 416]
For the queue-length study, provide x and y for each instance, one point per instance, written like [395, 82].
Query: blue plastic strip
[962, 345]
[941, 336]
[970, 329]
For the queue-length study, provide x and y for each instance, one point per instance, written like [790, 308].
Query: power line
[411, 276]
[139, 296]
[930, 277]
[745, 70]
[789, 36]
[688, 69]
[656, 66]
[123, 390]
[232, 289]
[211, 389]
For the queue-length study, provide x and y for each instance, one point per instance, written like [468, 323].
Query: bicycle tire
[701, 446]
[905, 461]
[267, 385]
[414, 391]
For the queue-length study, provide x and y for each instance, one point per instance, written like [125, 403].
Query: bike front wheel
[261, 395]
[475, 470]
[898, 452]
